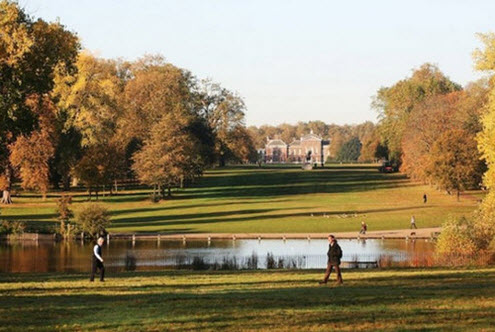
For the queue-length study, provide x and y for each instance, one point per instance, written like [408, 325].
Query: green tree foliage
[224, 113]
[350, 150]
[93, 219]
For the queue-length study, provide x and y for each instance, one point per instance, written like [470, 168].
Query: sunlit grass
[264, 200]
[388, 300]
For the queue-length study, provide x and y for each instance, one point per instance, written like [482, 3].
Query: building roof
[276, 142]
[295, 143]
[311, 136]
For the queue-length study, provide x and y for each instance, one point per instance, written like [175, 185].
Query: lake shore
[420, 233]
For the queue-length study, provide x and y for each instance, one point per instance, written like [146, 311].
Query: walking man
[413, 223]
[334, 255]
[97, 262]
[425, 198]
[364, 228]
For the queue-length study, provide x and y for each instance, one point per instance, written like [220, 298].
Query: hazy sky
[290, 60]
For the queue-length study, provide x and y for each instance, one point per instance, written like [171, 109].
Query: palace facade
[309, 148]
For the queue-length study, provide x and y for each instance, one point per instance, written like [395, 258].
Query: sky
[290, 60]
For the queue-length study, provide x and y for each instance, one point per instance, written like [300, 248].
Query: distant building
[276, 151]
[310, 145]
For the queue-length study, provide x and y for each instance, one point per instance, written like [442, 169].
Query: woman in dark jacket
[334, 255]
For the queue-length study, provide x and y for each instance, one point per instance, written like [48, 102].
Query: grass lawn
[387, 300]
[268, 200]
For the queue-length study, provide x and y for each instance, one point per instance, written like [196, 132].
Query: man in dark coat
[334, 255]
[97, 261]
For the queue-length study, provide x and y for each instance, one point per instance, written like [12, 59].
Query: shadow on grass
[233, 216]
[395, 301]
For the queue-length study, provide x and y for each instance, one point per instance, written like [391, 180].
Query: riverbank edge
[420, 233]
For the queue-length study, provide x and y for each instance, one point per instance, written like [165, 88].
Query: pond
[49, 256]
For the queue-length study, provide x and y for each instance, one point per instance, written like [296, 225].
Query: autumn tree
[100, 166]
[30, 52]
[90, 99]
[154, 90]
[479, 232]
[453, 161]
[426, 123]
[30, 155]
[170, 155]
[485, 220]
[395, 103]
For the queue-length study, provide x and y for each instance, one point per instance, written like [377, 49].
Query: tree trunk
[6, 196]
[458, 195]
[66, 183]
[169, 192]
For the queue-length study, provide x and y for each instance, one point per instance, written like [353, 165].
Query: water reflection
[32, 256]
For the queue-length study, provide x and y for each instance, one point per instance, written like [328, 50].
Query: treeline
[347, 142]
[67, 114]
[429, 124]
[473, 238]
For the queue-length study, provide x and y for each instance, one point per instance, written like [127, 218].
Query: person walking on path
[97, 261]
[413, 223]
[334, 255]
[364, 228]
[425, 198]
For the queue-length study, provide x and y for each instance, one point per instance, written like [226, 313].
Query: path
[420, 233]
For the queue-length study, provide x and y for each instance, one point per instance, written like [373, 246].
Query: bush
[64, 214]
[199, 263]
[12, 227]
[252, 262]
[469, 241]
[93, 219]
[270, 261]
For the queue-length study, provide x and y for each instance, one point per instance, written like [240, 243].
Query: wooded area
[65, 113]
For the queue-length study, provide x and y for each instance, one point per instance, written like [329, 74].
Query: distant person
[413, 223]
[97, 262]
[364, 228]
[334, 255]
[425, 198]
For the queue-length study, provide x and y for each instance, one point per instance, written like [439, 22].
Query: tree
[100, 166]
[155, 89]
[93, 219]
[426, 123]
[485, 61]
[30, 53]
[452, 157]
[350, 150]
[224, 113]
[30, 155]
[64, 215]
[89, 99]
[171, 155]
[478, 233]
[395, 103]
